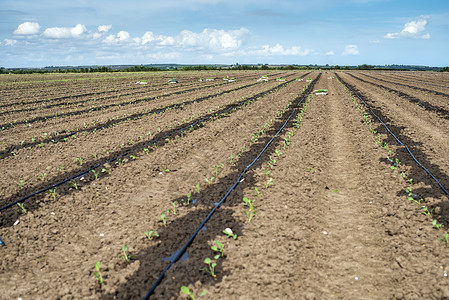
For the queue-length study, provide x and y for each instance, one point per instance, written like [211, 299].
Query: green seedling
[437, 225]
[426, 211]
[217, 168]
[250, 204]
[163, 218]
[210, 267]
[52, 192]
[259, 194]
[74, 185]
[218, 248]
[158, 129]
[147, 151]
[185, 290]
[133, 157]
[209, 181]
[269, 183]
[231, 159]
[104, 170]
[152, 234]
[228, 232]
[42, 176]
[445, 238]
[20, 184]
[79, 160]
[98, 275]
[197, 188]
[174, 207]
[22, 208]
[96, 174]
[61, 168]
[189, 197]
[127, 258]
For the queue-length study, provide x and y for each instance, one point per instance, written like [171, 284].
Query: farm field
[324, 201]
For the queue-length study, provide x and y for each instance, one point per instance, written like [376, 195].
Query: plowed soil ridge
[335, 224]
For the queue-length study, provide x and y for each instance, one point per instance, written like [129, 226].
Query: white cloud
[278, 49]
[351, 50]
[413, 29]
[65, 32]
[329, 53]
[104, 28]
[27, 28]
[150, 38]
[213, 39]
[123, 35]
[9, 42]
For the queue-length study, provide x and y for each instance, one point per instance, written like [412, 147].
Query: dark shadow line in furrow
[399, 137]
[426, 105]
[11, 151]
[410, 86]
[128, 151]
[288, 115]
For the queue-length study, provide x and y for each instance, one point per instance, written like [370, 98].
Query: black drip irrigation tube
[191, 125]
[392, 134]
[217, 205]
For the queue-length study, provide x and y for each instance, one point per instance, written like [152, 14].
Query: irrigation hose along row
[203, 223]
[392, 134]
[131, 151]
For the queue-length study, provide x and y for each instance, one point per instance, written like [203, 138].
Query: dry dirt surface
[321, 192]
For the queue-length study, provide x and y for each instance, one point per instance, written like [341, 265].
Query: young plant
[426, 211]
[445, 238]
[437, 225]
[127, 258]
[20, 184]
[269, 183]
[52, 192]
[218, 248]
[96, 174]
[163, 218]
[79, 160]
[210, 267]
[217, 168]
[104, 170]
[189, 197]
[175, 203]
[74, 185]
[228, 232]
[185, 290]
[98, 275]
[209, 181]
[259, 194]
[197, 188]
[22, 208]
[152, 234]
[42, 176]
[250, 204]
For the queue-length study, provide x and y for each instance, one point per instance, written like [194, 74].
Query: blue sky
[102, 32]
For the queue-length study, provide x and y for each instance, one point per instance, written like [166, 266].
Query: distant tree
[445, 69]
[365, 67]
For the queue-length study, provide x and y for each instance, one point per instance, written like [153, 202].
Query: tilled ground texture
[338, 208]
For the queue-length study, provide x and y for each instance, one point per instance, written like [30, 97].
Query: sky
[133, 32]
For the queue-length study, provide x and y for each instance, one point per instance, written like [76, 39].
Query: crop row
[431, 107]
[138, 143]
[53, 138]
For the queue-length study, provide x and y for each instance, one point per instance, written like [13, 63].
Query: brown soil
[335, 223]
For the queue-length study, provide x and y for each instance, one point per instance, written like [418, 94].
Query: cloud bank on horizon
[295, 39]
